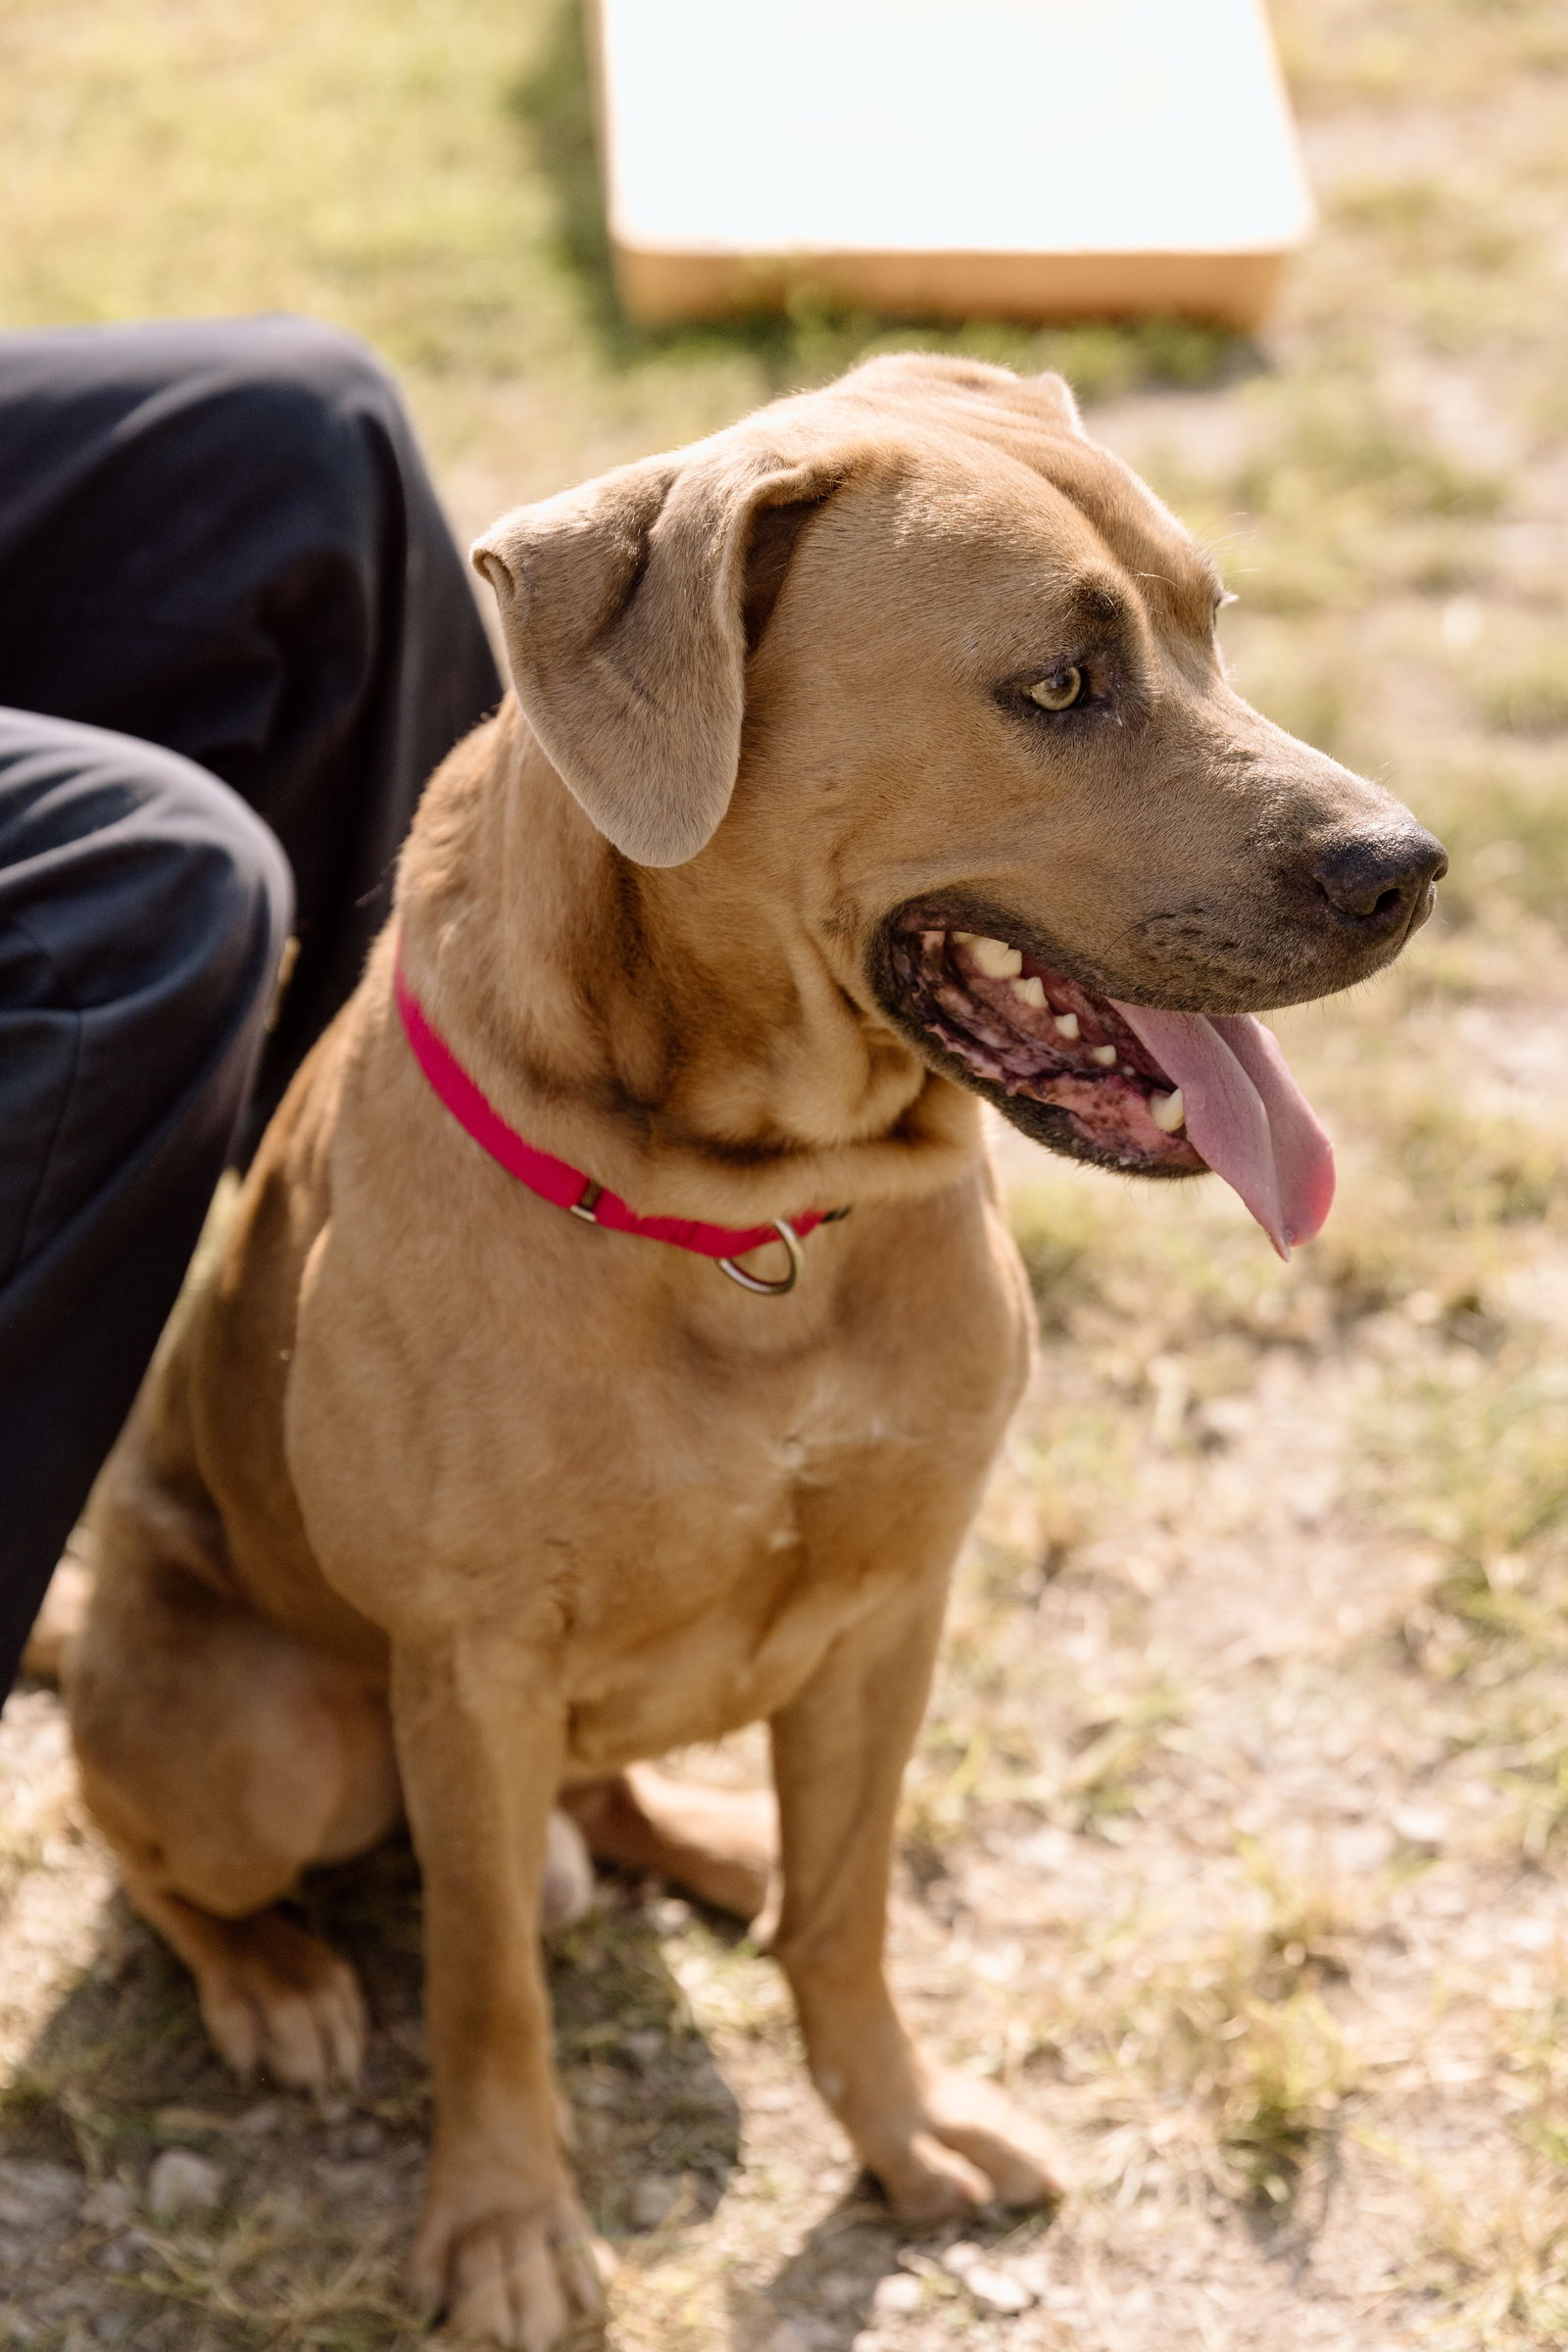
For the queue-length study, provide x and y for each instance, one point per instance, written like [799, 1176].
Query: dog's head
[937, 678]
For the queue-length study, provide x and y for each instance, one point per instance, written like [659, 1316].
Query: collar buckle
[587, 1202]
[786, 1282]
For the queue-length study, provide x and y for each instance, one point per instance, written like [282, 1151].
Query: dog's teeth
[995, 958]
[1030, 991]
[1167, 1111]
[1066, 1025]
[967, 938]
[1104, 1054]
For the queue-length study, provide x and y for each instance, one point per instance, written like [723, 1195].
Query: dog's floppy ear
[627, 605]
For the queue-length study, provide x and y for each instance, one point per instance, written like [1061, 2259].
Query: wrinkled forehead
[1062, 499]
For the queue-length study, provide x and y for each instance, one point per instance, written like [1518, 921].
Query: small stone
[787, 2337]
[653, 2199]
[899, 2291]
[33, 2192]
[109, 2206]
[410, 2035]
[997, 2291]
[671, 1914]
[961, 2258]
[340, 2177]
[256, 2121]
[181, 2182]
[643, 2045]
[1420, 1825]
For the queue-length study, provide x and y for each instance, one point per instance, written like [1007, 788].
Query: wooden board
[1019, 159]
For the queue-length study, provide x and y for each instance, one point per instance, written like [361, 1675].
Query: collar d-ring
[786, 1282]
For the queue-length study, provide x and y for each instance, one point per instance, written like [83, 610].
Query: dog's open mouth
[1152, 1092]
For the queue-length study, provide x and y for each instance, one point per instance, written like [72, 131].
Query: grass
[1236, 1842]
[1533, 700]
[1230, 2071]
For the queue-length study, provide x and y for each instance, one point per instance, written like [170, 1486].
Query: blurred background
[1237, 1839]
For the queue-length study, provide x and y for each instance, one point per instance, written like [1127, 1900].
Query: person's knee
[325, 364]
[222, 873]
[128, 871]
[305, 400]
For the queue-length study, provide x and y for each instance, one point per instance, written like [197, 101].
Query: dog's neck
[678, 1035]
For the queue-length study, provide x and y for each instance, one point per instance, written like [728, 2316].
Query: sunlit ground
[1237, 1840]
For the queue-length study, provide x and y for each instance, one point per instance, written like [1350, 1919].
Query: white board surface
[756, 128]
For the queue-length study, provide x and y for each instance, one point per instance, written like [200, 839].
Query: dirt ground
[1236, 1841]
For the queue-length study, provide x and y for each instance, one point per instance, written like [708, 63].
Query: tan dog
[867, 753]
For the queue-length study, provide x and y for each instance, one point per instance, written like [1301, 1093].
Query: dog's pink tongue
[1246, 1115]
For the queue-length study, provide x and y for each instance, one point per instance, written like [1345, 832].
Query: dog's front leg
[939, 2142]
[503, 2246]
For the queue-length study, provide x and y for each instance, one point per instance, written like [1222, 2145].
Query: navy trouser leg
[142, 912]
[220, 539]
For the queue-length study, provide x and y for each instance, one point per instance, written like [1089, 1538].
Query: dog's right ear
[629, 606]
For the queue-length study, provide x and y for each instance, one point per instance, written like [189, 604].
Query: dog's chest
[752, 1559]
[677, 1514]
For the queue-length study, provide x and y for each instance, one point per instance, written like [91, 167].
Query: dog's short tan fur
[439, 1499]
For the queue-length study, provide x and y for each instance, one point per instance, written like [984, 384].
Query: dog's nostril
[1376, 879]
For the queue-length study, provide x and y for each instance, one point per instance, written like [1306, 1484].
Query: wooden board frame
[668, 281]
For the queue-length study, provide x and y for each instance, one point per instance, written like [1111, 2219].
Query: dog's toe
[273, 1995]
[522, 2279]
[971, 2148]
[505, 2289]
[997, 2138]
[928, 2183]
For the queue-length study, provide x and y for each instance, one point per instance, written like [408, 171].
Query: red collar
[568, 1188]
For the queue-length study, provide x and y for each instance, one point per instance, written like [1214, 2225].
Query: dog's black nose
[1381, 882]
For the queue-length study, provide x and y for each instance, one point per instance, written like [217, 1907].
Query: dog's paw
[522, 2278]
[273, 1995]
[973, 2148]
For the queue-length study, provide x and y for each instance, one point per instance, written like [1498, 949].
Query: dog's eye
[1060, 691]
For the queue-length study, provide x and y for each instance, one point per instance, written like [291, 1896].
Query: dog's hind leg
[721, 1844]
[221, 1760]
[271, 1993]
